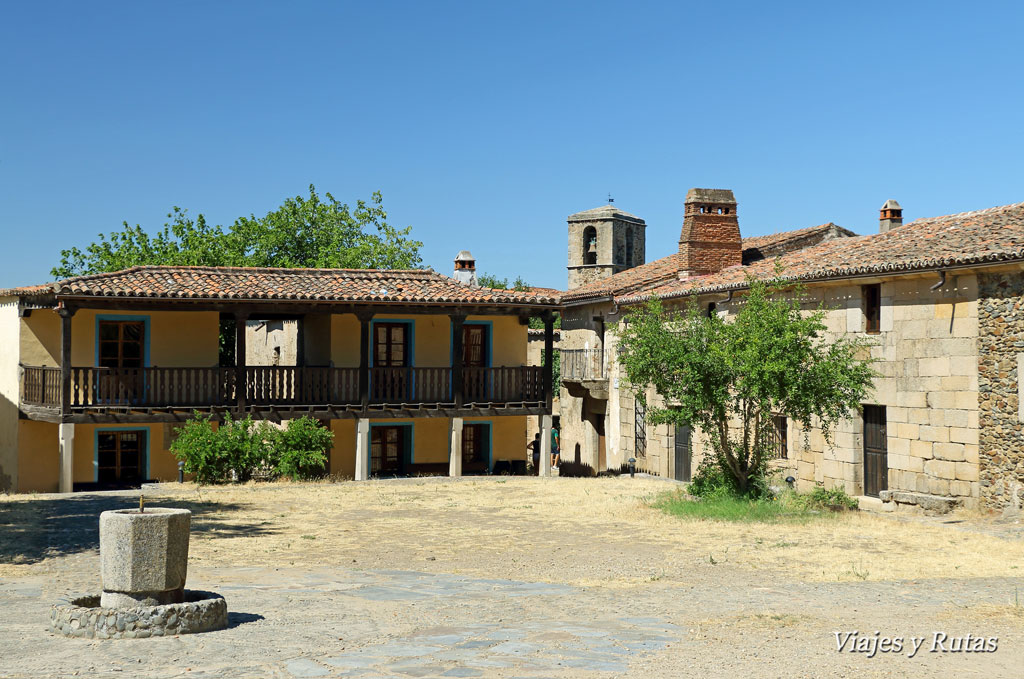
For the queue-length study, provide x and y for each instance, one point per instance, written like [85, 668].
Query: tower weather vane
[610, 199]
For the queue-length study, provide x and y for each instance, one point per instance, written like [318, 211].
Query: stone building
[940, 298]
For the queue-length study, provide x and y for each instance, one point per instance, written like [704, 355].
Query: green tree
[770, 358]
[491, 281]
[303, 232]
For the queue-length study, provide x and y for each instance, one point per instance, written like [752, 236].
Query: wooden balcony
[169, 394]
[581, 365]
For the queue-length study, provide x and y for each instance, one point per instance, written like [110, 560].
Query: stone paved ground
[337, 619]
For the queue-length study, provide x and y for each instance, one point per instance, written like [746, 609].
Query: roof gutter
[589, 300]
[878, 274]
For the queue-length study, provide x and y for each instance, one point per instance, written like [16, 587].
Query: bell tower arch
[603, 242]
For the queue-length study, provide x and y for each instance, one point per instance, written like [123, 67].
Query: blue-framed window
[393, 352]
[487, 327]
[115, 335]
[391, 448]
[121, 455]
[381, 335]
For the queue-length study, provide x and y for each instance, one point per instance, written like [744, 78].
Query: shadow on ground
[39, 528]
[237, 619]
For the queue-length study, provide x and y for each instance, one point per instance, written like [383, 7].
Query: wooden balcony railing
[97, 388]
[40, 386]
[583, 364]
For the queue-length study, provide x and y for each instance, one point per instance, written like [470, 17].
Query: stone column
[66, 436]
[545, 445]
[455, 450]
[591, 443]
[362, 449]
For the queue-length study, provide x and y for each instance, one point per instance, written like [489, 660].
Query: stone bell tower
[603, 242]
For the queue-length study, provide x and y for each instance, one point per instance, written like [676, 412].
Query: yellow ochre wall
[38, 457]
[40, 338]
[177, 339]
[163, 466]
[431, 339]
[430, 440]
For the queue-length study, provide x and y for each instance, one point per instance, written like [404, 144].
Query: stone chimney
[891, 216]
[710, 240]
[465, 268]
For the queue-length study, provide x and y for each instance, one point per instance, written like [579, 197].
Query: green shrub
[724, 505]
[299, 450]
[834, 497]
[232, 451]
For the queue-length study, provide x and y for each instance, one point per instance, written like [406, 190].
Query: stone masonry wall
[927, 357]
[1000, 352]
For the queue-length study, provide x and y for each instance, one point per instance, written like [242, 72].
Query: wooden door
[119, 459]
[475, 442]
[876, 466]
[476, 383]
[391, 361]
[387, 451]
[121, 349]
[681, 470]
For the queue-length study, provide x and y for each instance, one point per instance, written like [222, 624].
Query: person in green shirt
[555, 458]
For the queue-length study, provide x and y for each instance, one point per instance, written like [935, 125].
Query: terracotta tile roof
[773, 245]
[311, 285]
[981, 237]
[627, 281]
[667, 268]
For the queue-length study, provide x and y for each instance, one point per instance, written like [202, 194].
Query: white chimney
[465, 268]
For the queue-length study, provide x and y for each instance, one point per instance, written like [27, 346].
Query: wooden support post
[455, 450]
[66, 314]
[364, 358]
[458, 323]
[549, 360]
[545, 446]
[362, 449]
[240, 386]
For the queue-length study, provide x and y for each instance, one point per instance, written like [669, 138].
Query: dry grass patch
[590, 532]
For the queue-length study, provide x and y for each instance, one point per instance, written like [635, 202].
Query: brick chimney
[465, 268]
[710, 240]
[890, 217]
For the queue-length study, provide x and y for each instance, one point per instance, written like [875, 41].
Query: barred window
[640, 434]
[779, 434]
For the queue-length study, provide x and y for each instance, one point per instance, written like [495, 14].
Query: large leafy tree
[727, 378]
[304, 232]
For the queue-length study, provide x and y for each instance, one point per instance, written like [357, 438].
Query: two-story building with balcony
[414, 372]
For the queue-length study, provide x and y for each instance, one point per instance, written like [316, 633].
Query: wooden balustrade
[41, 386]
[274, 386]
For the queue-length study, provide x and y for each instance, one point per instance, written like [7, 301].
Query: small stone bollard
[143, 556]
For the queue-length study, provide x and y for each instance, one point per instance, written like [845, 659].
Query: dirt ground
[718, 599]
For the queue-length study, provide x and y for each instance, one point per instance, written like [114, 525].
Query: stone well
[143, 556]
[143, 566]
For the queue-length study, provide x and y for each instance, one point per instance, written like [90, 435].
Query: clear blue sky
[486, 124]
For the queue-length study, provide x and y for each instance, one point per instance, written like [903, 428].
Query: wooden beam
[275, 415]
[291, 309]
[240, 318]
[66, 313]
[458, 323]
[549, 345]
[364, 358]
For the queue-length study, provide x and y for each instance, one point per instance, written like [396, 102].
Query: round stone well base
[83, 617]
